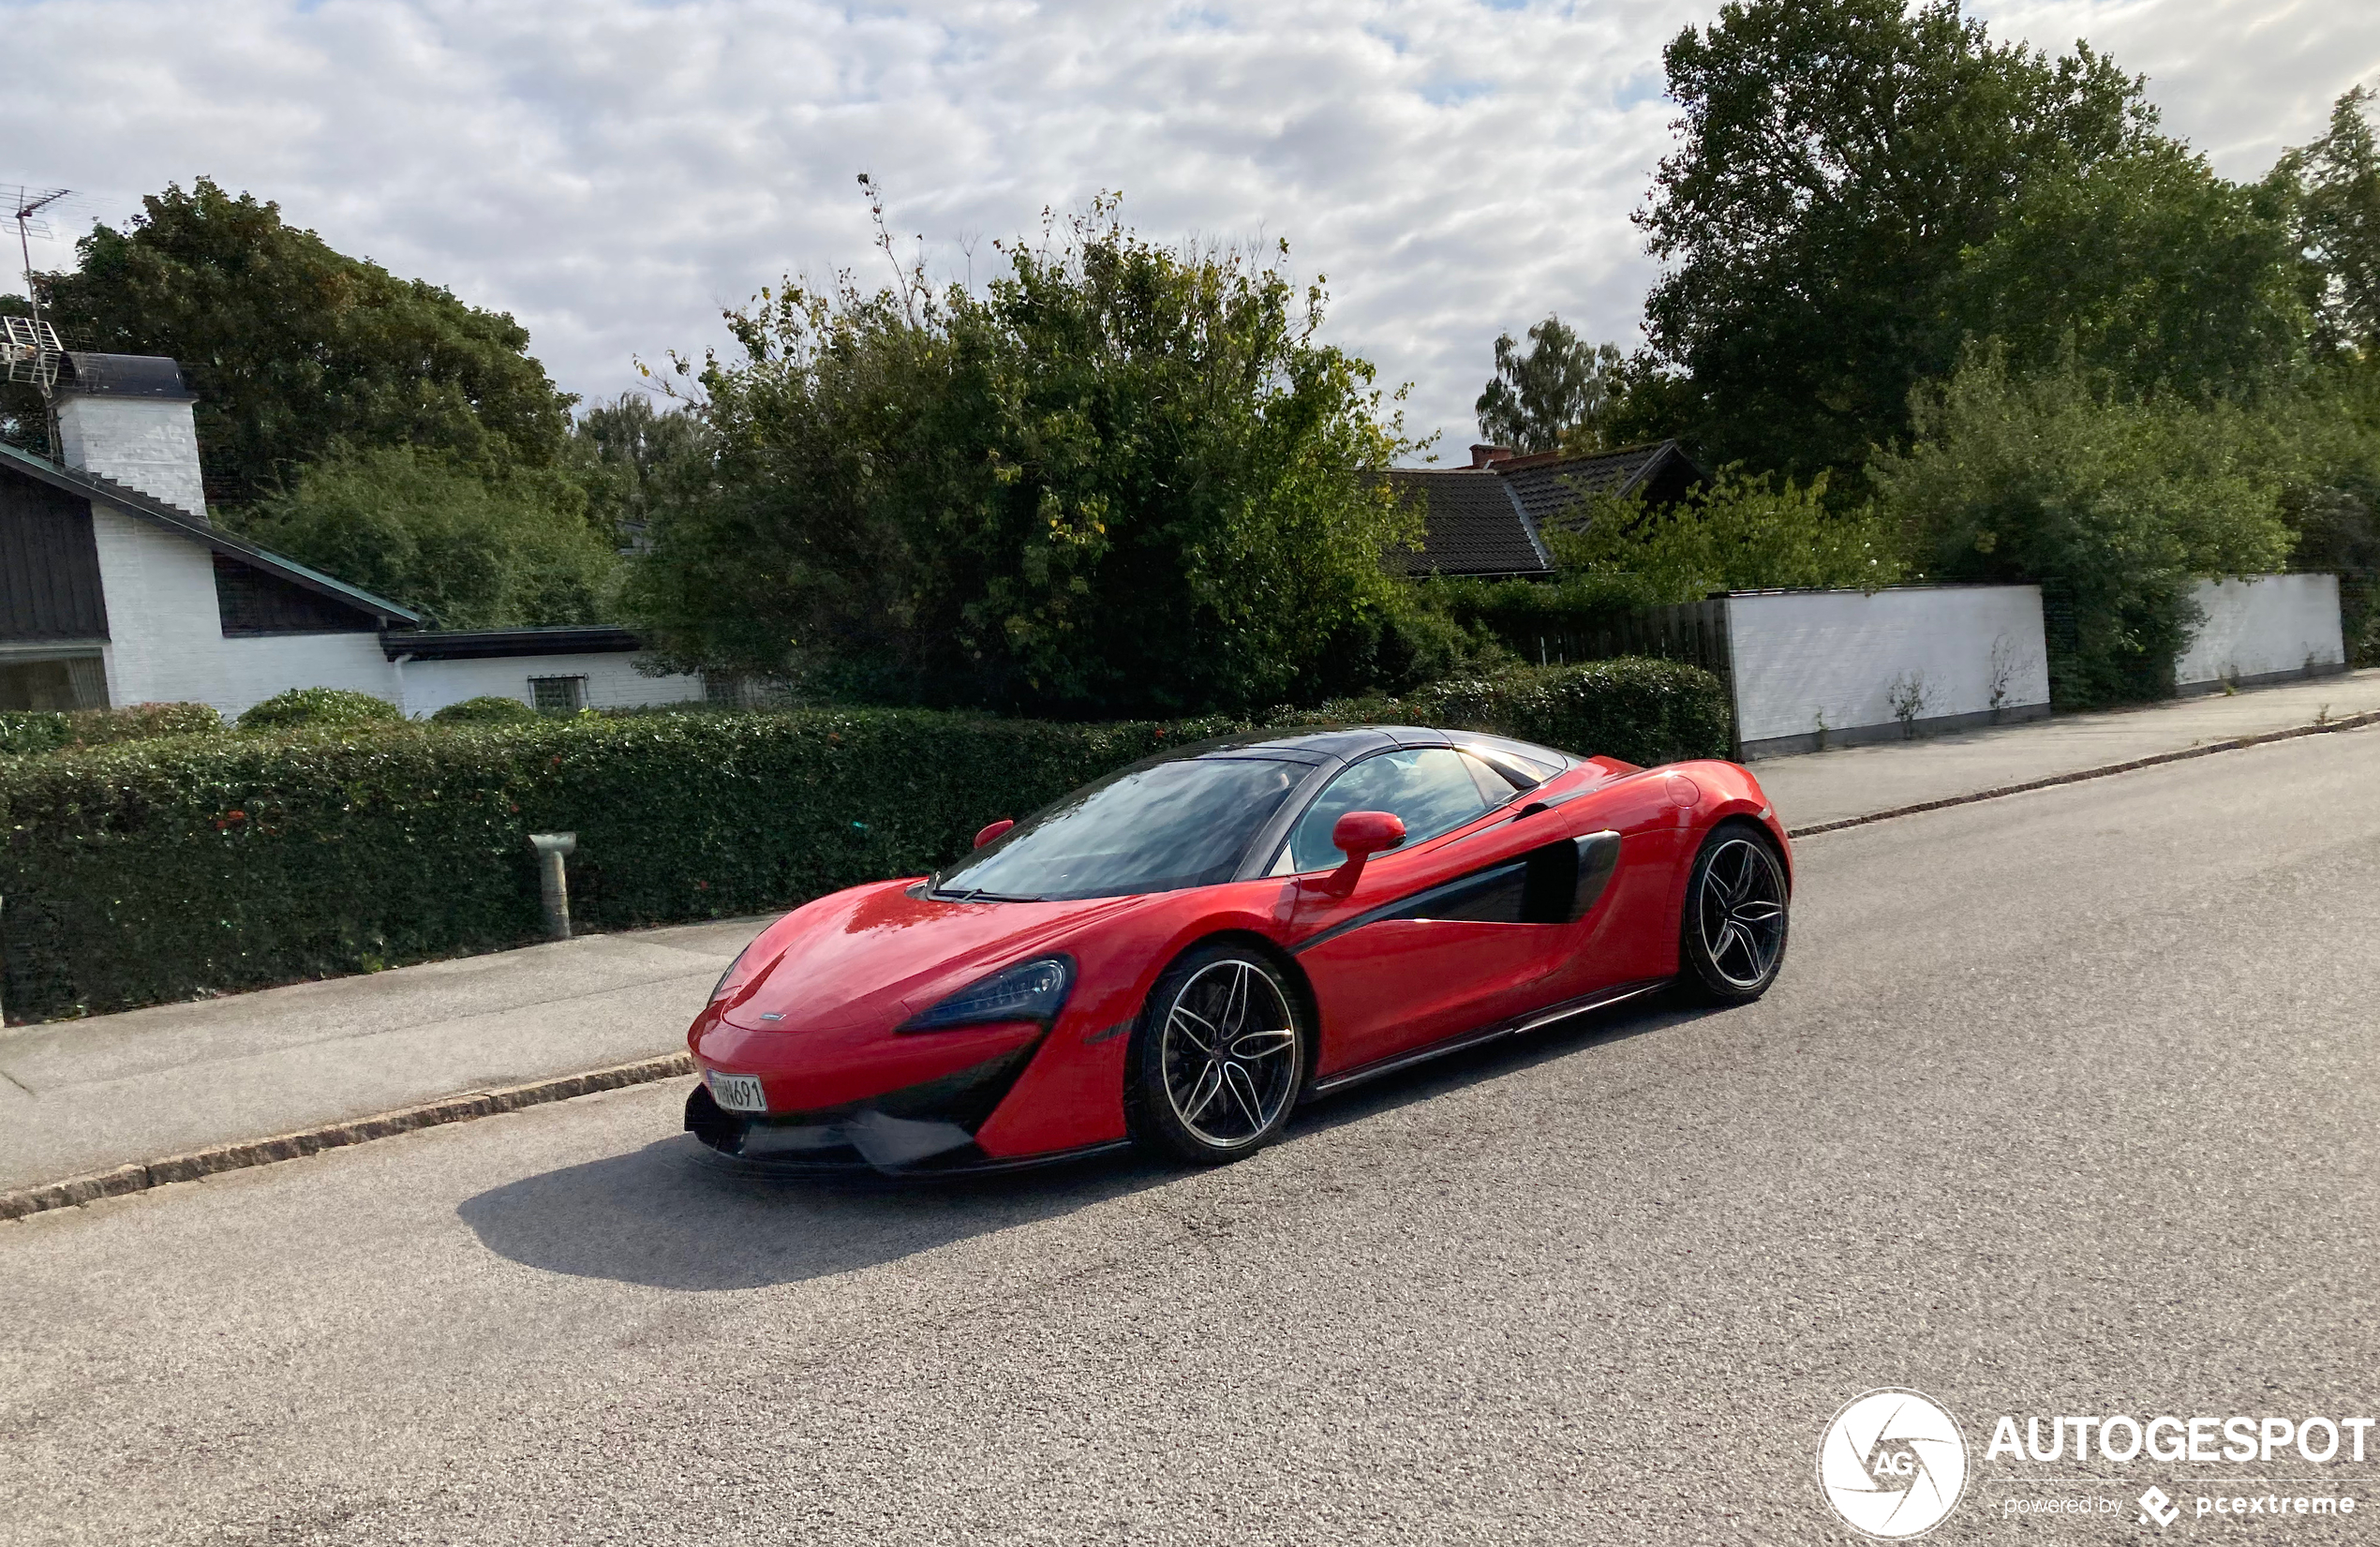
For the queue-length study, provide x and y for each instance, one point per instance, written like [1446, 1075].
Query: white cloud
[614, 172]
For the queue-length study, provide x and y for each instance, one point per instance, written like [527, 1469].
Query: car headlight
[1031, 990]
[720, 986]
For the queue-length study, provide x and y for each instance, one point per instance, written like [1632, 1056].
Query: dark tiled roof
[1491, 521]
[1471, 525]
[1548, 485]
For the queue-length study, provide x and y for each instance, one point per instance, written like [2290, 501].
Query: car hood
[881, 953]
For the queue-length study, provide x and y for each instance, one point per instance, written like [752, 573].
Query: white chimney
[127, 417]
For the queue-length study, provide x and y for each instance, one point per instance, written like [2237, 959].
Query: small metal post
[553, 886]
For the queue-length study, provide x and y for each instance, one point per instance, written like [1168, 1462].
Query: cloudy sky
[615, 171]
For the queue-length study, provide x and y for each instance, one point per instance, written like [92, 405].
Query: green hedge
[151, 871]
[24, 731]
[329, 707]
[485, 710]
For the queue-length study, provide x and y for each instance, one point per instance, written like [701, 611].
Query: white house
[115, 588]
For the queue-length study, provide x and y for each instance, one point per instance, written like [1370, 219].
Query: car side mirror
[994, 830]
[1360, 835]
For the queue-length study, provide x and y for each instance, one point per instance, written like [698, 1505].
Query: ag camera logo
[1892, 1463]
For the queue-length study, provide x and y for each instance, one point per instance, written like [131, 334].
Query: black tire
[1737, 915]
[1218, 1057]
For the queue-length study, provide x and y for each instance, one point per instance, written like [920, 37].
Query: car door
[1421, 950]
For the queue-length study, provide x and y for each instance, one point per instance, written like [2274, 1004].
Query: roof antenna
[30, 345]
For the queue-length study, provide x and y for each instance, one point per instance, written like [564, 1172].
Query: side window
[1429, 788]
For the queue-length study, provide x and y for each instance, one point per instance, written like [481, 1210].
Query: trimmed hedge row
[152, 871]
[26, 731]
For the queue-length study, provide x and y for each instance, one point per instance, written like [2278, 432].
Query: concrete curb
[144, 1175]
[2239, 743]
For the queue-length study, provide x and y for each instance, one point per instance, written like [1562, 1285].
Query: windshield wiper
[978, 895]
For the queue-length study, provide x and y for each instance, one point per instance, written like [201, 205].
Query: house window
[557, 694]
[52, 682]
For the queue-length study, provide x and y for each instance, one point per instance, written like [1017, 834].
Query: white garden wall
[2263, 627]
[613, 681]
[1822, 668]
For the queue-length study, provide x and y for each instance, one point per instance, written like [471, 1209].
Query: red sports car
[1181, 952]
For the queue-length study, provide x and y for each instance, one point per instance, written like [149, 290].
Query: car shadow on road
[669, 1216]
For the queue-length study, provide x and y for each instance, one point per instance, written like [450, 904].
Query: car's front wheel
[1218, 1057]
[1733, 937]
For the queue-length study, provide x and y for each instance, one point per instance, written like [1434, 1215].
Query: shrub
[1527, 615]
[1733, 533]
[472, 547]
[1117, 478]
[490, 710]
[2116, 507]
[148, 872]
[51, 730]
[1638, 710]
[328, 706]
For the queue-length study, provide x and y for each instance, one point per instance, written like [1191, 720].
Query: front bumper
[926, 1127]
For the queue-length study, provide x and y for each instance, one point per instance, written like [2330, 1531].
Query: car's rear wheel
[1733, 936]
[1218, 1057]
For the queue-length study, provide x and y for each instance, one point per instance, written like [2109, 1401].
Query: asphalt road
[2065, 1105]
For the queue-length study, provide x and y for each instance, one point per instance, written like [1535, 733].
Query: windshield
[1154, 829]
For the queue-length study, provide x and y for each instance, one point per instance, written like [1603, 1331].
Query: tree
[1735, 532]
[2116, 505]
[1840, 159]
[2336, 181]
[292, 348]
[631, 457]
[419, 527]
[1120, 479]
[2152, 272]
[1556, 394]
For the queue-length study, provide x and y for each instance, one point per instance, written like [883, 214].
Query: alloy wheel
[1229, 1052]
[1741, 912]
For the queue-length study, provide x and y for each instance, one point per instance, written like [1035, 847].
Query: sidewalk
[80, 1096]
[83, 1095]
[1821, 787]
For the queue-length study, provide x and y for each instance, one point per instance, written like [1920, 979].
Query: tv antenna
[30, 345]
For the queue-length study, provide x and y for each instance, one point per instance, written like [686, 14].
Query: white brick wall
[613, 681]
[146, 443]
[255, 667]
[1803, 656]
[2262, 626]
[165, 633]
[166, 645]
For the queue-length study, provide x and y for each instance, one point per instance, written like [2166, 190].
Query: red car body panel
[813, 1007]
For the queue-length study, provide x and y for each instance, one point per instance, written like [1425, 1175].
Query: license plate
[737, 1093]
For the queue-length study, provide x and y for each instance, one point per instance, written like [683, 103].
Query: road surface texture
[2065, 1105]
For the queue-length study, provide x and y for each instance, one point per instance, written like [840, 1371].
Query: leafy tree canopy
[631, 457]
[1840, 158]
[2336, 181]
[2152, 272]
[1736, 532]
[1119, 479]
[467, 549]
[1558, 392]
[292, 348]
